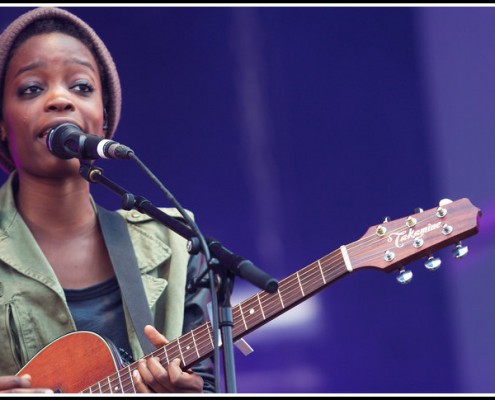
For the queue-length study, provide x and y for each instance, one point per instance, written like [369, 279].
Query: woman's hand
[19, 384]
[151, 376]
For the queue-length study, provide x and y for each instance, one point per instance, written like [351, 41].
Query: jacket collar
[19, 249]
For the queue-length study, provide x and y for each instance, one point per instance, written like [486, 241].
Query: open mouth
[44, 133]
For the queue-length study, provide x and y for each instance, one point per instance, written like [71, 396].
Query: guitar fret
[197, 343]
[238, 327]
[106, 385]
[210, 335]
[280, 297]
[189, 347]
[129, 373]
[174, 352]
[329, 271]
[180, 352]
[318, 278]
[166, 354]
[252, 316]
[116, 388]
[120, 387]
[242, 316]
[310, 279]
[194, 341]
[272, 302]
[261, 306]
[322, 275]
[286, 290]
[237, 316]
[300, 285]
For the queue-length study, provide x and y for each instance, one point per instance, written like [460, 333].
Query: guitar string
[200, 343]
[115, 377]
[127, 379]
[286, 290]
[302, 281]
[299, 288]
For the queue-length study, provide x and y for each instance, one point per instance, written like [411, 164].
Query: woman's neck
[55, 205]
[61, 217]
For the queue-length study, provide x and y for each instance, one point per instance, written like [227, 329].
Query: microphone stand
[224, 262]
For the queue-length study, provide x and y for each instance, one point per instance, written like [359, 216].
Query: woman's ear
[3, 133]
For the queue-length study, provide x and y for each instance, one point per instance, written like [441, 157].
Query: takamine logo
[400, 237]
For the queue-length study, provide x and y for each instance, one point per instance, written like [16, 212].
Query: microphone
[69, 141]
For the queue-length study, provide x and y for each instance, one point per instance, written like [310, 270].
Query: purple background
[289, 131]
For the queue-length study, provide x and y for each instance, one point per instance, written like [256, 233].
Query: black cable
[206, 251]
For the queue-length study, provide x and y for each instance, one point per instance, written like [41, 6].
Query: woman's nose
[58, 101]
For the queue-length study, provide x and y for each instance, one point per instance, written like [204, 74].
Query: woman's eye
[83, 87]
[30, 90]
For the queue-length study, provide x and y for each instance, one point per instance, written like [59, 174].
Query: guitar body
[72, 363]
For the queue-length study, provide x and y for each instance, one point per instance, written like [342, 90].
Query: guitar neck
[248, 315]
[259, 309]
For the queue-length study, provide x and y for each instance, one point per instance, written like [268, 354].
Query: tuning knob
[418, 210]
[405, 276]
[433, 263]
[460, 250]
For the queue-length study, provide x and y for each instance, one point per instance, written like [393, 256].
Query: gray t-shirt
[98, 309]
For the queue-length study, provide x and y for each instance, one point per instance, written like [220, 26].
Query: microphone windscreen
[57, 138]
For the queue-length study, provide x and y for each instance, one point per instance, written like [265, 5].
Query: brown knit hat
[110, 76]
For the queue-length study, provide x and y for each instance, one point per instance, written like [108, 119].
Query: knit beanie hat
[110, 78]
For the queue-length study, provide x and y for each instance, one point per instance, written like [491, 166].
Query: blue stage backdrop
[289, 131]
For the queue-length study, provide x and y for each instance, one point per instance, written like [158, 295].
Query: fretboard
[248, 315]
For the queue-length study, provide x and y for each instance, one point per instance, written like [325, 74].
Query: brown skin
[53, 78]
[19, 384]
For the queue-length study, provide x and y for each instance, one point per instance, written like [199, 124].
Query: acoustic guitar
[83, 362]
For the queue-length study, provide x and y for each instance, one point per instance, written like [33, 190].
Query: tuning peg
[386, 219]
[444, 202]
[433, 263]
[405, 276]
[460, 250]
[418, 210]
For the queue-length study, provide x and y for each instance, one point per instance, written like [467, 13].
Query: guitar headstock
[393, 244]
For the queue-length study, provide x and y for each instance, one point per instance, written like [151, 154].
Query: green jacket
[33, 308]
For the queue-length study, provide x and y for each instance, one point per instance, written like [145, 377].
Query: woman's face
[52, 78]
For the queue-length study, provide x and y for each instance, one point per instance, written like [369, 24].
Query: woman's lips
[44, 133]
